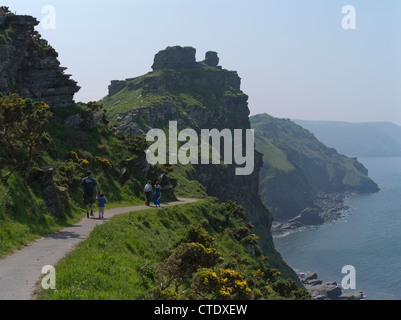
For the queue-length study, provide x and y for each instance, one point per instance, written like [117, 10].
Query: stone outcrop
[329, 290]
[211, 59]
[56, 197]
[175, 57]
[29, 65]
[198, 95]
[81, 122]
[220, 104]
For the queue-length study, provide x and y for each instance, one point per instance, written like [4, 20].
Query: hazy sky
[294, 58]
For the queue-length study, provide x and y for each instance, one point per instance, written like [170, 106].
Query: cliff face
[29, 65]
[198, 95]
[298, 168]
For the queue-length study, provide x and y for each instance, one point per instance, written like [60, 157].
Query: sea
[367, 238]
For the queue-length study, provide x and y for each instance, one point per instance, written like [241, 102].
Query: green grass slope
[24, 215]
[193, 251]
[297, 166]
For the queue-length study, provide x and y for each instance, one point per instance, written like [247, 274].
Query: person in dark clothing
[89, 185]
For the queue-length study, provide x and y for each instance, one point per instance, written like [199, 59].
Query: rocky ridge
[328, 208]
[198, 95]
[29, 65]
[213, 99]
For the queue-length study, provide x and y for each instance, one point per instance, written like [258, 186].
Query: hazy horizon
[295, 59]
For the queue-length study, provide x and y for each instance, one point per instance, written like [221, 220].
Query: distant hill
[369, 139]
[297, 166]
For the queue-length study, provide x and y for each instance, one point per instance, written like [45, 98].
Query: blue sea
[368, 238]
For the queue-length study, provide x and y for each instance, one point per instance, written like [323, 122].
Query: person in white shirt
[148, 190]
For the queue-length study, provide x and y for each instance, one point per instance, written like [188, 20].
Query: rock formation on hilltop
[29, 65]
[198, 95]
[175, 57]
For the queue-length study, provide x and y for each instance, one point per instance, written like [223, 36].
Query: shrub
[69, 174]
[103, 163]
[196, 234]
[73, 156]
[7, 35]
[223, 284]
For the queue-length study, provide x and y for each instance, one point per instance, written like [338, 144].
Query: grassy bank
[130, 257]
[24, 214]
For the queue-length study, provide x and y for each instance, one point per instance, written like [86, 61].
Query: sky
[294, 57]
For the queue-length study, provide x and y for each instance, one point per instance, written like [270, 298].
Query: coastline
[328, 208]
[329, 290]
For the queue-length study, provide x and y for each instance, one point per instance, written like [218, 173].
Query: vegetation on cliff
[194, 251]
[297, 166]
[26, 207]
[42, 191]
[198, 96]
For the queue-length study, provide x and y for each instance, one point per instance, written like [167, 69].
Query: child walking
[102, 205]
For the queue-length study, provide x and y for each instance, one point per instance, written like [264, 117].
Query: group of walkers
[91, 195]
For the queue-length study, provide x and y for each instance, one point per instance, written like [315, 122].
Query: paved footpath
[20, 272]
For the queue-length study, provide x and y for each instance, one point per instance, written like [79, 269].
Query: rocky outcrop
[116, 86]
[175, 57]
[211, 59]
[326, 208]
[56, 197]
[330, 290]
[303, 181]
[81, 122]
[216, 101]
[198, 95]
[29, 65]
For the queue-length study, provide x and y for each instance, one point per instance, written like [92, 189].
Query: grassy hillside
[194, 251]
[297, 166]
[24, 215]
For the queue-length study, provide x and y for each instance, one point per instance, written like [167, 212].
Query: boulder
[56, 198]
[357, 295]
[328, 290]
[309, 217]
[175, 57]
[331, 289]
[79, 122]
[310, 276]
[211, 59]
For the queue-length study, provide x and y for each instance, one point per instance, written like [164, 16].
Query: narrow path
[20, 272]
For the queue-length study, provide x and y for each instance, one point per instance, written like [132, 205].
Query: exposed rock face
[175, 57]
[229, 110]
[56, 197]
[328, 290]
[211, 59]
[116, 86]
[29, 66]
[81, 123]
[303, 181]
[197, 97]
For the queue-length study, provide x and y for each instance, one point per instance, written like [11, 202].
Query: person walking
[102, 205]
[89, 185]
[157, 195]
[148, 190]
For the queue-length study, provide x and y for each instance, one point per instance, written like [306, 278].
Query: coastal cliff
[198, 95]
[303, 181]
